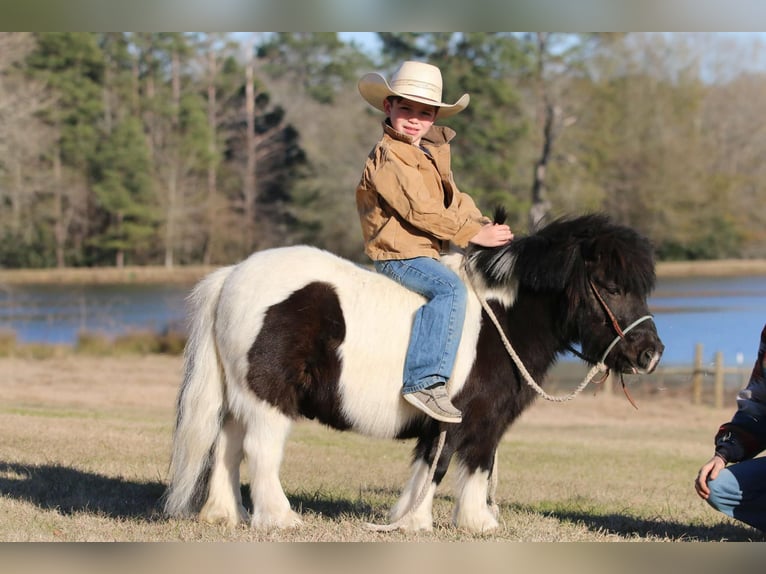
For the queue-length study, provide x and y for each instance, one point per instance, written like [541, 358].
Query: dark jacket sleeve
[744, 436]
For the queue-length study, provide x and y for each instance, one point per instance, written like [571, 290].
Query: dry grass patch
[86, 442]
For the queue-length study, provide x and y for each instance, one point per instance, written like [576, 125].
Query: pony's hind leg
[224, 500]
[264, 444]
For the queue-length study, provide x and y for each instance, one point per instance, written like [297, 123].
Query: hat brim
[375, 89]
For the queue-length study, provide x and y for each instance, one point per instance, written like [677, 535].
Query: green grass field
[86, 442]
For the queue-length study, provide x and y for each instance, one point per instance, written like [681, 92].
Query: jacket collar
[437, 135]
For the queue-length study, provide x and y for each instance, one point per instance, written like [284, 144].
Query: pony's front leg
[471, 509]
[224, 500]
[421, 518]
[264, 444]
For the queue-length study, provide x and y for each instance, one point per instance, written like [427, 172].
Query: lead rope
[600, 367]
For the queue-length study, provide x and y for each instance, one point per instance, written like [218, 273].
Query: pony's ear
[500, 215]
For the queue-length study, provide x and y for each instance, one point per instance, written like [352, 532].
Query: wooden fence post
[719, 379]
[697, 375]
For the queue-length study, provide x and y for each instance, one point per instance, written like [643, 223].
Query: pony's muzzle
[649, 358]
[649, 352]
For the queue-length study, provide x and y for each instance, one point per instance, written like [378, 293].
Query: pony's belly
[371, 382]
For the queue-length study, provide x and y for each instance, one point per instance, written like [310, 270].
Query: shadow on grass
[650, 528]
[622, 525]
[323, 504]
[71, 491]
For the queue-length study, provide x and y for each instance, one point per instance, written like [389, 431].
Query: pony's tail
[200, 407]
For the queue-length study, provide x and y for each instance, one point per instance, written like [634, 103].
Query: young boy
[410, 210]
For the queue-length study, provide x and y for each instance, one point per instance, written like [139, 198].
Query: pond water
[723, 314]
[58, 313]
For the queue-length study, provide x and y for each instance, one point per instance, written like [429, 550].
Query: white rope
[624, 332]
[598, 368]
[491, 502]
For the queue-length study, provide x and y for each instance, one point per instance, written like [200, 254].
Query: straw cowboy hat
[415, 81]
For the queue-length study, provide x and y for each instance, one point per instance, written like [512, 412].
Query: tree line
[181, 148]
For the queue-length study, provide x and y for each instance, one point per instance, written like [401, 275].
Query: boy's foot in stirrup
[435, 402]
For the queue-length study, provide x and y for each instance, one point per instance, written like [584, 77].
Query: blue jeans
[438, 324]
[739, 491]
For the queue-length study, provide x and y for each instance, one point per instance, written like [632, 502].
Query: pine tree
[123, 191]
[72, 66]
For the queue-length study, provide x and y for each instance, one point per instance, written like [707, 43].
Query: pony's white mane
[505, 294]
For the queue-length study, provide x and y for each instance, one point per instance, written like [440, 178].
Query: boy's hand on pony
[493, 235]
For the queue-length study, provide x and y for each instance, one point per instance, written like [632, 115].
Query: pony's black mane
[570, 248]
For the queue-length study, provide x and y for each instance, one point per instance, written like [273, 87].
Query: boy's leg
[739, 491]
[435, 334]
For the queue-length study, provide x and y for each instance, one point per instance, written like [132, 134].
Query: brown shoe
[435, 403]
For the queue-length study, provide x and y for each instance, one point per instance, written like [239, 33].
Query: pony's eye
[609, 287]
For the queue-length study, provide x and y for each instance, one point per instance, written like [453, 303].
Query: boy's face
[411, 118]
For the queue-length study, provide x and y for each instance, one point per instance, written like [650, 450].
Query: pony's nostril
[645, 358]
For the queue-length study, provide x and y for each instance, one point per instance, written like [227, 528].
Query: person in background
[733, 481]
[410, 211]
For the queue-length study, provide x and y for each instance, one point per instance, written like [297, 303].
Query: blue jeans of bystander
[739, 491]
[437, 325]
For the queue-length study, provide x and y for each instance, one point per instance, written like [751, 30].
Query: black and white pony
[298, 332]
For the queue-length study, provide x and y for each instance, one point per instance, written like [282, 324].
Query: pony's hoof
[485, 522]
[417, 526]
[413, 523]
[218, 516]
[289, 519]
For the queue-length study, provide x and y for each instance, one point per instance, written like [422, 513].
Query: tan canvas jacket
[408, 203]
